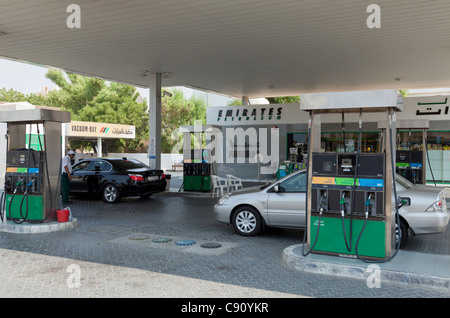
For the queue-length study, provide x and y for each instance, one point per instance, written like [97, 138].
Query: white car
[282, 204]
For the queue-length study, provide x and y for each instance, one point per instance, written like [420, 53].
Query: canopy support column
[154, 146]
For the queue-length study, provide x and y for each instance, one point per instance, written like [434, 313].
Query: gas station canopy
[256, 48]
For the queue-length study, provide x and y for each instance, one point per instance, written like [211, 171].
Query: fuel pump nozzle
[323, 202]
[25, 198]
[18, 184]
[30, 184]
[343, 204]
[368, 204]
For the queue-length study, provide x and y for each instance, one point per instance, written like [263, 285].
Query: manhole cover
[161, 240]
[184, 242]
[139, 237]
[211, 245]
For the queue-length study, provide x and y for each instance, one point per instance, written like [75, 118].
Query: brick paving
[113, 251]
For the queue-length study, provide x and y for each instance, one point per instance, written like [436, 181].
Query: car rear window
[129, 164]
[99, 165]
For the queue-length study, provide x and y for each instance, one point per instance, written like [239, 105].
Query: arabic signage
[427, 107]
[98, 130]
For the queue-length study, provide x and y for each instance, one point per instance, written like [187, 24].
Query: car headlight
[224, 198]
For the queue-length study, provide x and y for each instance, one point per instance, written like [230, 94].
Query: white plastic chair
[219, 184]
[234, 182]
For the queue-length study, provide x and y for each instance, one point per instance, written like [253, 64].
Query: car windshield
[129, 164]
[403, 181]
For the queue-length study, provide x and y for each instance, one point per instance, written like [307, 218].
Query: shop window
[409, 140]
[334, 142]
[297, 146]
[438, 140]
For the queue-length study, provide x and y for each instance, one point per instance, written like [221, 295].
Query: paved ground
[112, 253]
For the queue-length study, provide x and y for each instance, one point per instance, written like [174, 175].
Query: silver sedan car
[282, 204]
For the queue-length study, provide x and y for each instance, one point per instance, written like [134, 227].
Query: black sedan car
[113, 178]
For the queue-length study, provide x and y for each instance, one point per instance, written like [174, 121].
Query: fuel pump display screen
[324, 164]
[327, 166]
[371, 165]
[19, 158]
[346, 164]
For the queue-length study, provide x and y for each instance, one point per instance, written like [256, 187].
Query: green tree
[235, 102]
[13, 96]
[92, 99]
[283, 99]
[177, 111]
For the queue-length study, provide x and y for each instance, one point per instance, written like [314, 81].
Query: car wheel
[404, 231]
[247, 221]
[111, 193]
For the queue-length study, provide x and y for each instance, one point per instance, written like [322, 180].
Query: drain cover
[211, 245]
[184, 242]
[138, 237]
[161, 240]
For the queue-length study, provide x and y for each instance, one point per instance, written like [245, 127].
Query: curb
[347, 267]
[27, 228]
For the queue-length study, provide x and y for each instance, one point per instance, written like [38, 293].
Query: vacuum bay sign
[270, 114]
[99, 130]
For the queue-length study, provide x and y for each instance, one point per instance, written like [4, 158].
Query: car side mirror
[276, 188]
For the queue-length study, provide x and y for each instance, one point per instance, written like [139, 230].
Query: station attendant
[66, 171]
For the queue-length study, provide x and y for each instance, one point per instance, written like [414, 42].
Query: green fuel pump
[31, 191]
[198, 166]
[350, 193]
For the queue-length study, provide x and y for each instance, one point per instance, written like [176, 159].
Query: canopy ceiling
[254, 48]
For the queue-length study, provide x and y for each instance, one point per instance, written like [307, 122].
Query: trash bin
[168, 177]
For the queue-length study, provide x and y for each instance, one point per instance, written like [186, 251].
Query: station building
[286, 122]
